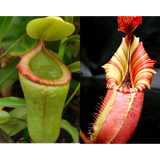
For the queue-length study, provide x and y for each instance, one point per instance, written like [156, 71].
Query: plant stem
[69, 19]
[75, 91]
[63, 44]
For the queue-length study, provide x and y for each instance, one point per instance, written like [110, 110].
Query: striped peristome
[140, 66]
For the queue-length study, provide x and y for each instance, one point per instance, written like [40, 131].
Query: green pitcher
[45, 79]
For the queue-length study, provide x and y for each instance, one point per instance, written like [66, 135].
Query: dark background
[100, 39]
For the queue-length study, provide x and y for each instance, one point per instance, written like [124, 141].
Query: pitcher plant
[128, 73]
[45, 79]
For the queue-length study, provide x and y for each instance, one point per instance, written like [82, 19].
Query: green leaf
[4, 24]
[68, 55]
[17, 122]
[71, 130]
[15, 35]
[63, 44]
[9, 45]
[4, 116]
[9, 73]
[7, 128]
[25, 45]
[13, 127]
[18, 128]
[19, 113]
[76, 49]
[74, 67]
[13, 102]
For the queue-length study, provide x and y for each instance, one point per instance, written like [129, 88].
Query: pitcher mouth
[25, 70]
[130, 58]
